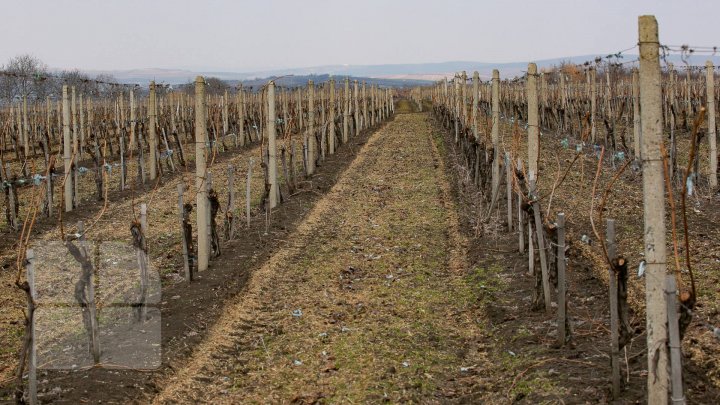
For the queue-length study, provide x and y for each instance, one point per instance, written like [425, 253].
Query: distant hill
[387, 75]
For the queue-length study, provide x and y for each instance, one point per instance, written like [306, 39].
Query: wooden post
[208, 230]
[562, 286]
[677, 397]
[231, 203]
[614, 322]
[122, 163]
[637, 128]
[311, 141]
[12, 208]
[92, 310]
[67, 153]
[654, 210]
[331, 132]
[712, 136]
[496, 132]
[186, 256]
[508, 187]
[143, 262]
[541, 246]
[533, 128]
[247, 191]
[152, 136]
[272, 149]
[32, 356]
[201, 139]
[521, 224]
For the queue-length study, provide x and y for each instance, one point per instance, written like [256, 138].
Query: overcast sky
[246, 35]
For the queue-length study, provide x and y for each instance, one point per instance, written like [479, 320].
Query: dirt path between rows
[370, 301]
[189, 310]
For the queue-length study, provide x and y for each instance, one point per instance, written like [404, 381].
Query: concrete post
[495, 132]
[593, 104]
[272, 149]
[712, 135]
[201, 173]
[67, 152]
[476, 83]
[331, 132]
[533, 128]
[241, 114]
[311, 141]
[346, 111]
[152, 136]
[356, 95]
[132, 121]
[654, 210]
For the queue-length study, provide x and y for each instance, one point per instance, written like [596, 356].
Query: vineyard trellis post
[241, 114]
[75, 160]
[346, 111]
[272, 149]
[185, 250]
[32, 355]
[508, 187]
[495, 133]
[131, 145]
[331, 132]
[532, 122]
[356, 96]
[248, 184]
[562, 286]
[710, 72]
[66, 150]
[201, 173]
[310, 139]
[675, 344]
[152, 136]
[654, 209]
[614, 323]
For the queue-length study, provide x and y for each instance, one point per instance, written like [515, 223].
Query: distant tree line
[28, 76]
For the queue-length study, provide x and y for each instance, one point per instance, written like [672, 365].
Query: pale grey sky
[247, 35]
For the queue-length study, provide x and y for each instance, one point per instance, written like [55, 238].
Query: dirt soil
[187, 309]
[381, 287]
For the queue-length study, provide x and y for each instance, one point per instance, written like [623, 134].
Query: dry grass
[376, 270]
